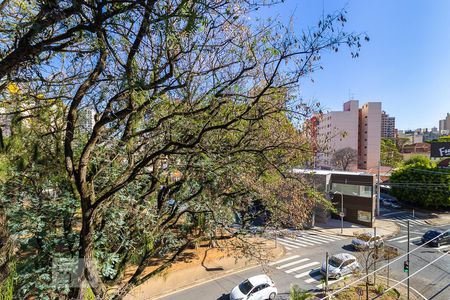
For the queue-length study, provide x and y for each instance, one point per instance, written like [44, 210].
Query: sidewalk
[207, 264]
[333, 226]
[439, 219]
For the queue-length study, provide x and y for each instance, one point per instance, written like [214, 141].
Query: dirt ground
[200, 264]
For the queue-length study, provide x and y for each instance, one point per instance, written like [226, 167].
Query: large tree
[193, 107]
[344, 158]
[390, 155]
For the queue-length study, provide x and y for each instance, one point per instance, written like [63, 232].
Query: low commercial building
[355, 191]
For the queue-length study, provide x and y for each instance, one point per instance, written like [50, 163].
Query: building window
[364, 216]
[352, 189]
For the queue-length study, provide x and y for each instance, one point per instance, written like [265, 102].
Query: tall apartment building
[354, 127]
[337, 130]
[387, 126]
[444, 125]
[369, 135]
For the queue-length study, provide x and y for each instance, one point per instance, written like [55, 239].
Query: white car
[340, 265]
[259, 287]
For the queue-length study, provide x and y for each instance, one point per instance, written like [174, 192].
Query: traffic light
[405, 266]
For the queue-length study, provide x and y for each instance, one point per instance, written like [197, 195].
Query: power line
[379, 269]
[398, 282]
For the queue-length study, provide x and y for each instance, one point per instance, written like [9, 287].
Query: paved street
[305, 253]
[434, 281]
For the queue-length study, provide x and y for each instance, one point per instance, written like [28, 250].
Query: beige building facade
[354, 127]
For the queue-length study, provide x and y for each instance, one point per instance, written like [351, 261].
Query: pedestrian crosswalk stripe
[284, 259]
[316, 239]
[411, 240]
[287, 248]
[331, 237]
[288, 245]
[293, 263]
[297, 242]
[302, 267]
[307, 241]
[397, 238]
[404, 220]
[310, 280]
[291, 242]
[418, 222]
[401, 224]
[302, 274]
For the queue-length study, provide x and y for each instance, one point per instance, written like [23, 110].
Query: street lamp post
[342, 210]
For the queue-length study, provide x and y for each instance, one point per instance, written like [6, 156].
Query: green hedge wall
[419, 182]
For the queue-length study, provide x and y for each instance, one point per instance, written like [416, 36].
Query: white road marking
[302, 274]
[283, 260]
[302, 267]
[300, 242]
[289, 245]
[397, 238]
[292, 263]
[310, 280]
[333, 237]
[285, 240]
[317, 239]
[306, 241]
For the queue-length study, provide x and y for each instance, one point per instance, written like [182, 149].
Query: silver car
[367, 241]
[340, 265]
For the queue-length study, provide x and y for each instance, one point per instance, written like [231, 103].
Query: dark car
[436, 238]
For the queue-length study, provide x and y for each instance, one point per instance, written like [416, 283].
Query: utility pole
[378, 189]
[388, 268]
[407, 259]
[342, 213]
[326, 273]
[376, 255]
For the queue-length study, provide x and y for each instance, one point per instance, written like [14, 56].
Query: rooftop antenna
[351, 95]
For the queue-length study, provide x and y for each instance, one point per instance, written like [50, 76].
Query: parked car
[259, 287]
[340, 264]
[366, 241]
[390, 203]
[436, 238]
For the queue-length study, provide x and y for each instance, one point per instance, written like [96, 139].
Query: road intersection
[305, 252]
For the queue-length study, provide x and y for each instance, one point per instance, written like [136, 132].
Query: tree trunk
[6, 250]
[88, 275]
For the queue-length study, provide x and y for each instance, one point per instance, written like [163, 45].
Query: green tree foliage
[192, 111]
[419, 182]
[297, 293]
[390, 155]
[445, 138]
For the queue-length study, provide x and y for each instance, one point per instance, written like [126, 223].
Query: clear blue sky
[406, 64]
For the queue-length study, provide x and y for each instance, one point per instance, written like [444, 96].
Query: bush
[298, 294]
[419, 182]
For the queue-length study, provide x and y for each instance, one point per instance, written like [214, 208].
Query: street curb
[214, 277]
[351, 235]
